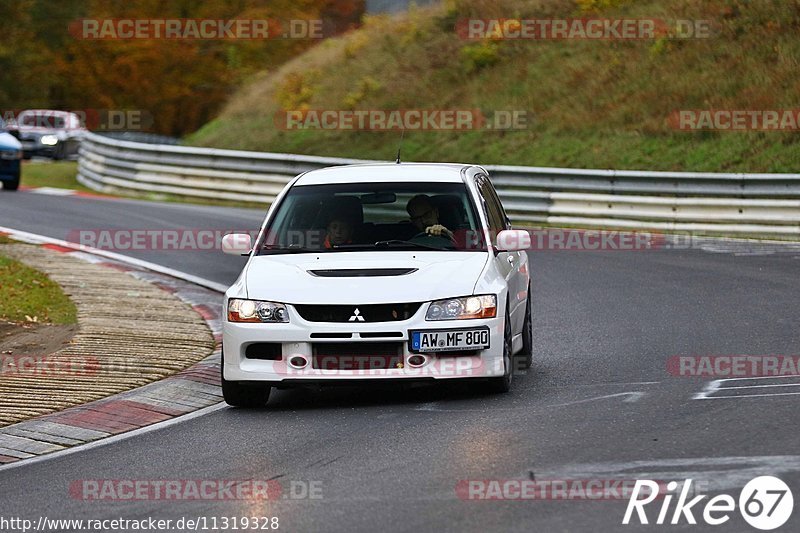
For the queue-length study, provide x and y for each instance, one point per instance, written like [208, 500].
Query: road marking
[631, 397]
[616, 383]
[763, 386]
[715, 390]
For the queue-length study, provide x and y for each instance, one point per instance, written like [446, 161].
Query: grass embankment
[595, 104]
[57, 174]
[27, 295]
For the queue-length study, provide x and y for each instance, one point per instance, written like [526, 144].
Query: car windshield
[44, 120]
[374, 216]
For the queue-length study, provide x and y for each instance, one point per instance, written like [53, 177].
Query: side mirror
[237, 243]
[513, 240]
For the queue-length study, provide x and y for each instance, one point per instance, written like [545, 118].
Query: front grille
[356, 355]
[366, 313]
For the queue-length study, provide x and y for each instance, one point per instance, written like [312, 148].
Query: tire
[238, 394]
[11, 185]
[502, 384]
[60, 152]
[526, 355]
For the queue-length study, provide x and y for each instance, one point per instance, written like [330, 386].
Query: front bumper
[298, 338]
[34, 148]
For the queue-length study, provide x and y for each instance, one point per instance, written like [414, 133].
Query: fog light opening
[298, 361]
[417, 361]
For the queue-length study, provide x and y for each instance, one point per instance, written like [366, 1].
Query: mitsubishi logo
[356, 316]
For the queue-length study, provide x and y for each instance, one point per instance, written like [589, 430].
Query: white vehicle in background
[378, 272]
[49, 133]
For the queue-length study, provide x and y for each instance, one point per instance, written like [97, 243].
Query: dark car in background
[10, 155]
[49, 133]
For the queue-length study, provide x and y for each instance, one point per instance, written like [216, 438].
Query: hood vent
[361, 272]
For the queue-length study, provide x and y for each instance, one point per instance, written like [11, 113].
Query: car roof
[50, 112]
[385, 173]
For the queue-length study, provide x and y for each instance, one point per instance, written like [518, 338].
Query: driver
[425, 216]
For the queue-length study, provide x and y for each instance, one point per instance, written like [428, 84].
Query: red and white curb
[196, 388]
[55, 191]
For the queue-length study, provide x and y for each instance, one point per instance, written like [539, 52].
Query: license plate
[450, 340]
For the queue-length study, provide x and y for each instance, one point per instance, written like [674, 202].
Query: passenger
[425, 216]
[340, 231]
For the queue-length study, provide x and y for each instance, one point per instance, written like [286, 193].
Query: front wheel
[526, 356]
[60, 152]
[240, 394]
[503, 383]
[12, 185]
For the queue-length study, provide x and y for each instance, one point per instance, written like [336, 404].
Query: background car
[10, 155]
[49, 133]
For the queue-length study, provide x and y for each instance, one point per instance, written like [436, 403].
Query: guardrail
[766, 205]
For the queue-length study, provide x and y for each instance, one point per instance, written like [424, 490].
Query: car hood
[286, 277]
[9, 142]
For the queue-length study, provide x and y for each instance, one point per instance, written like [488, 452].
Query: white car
[49, 133]
[378, 272]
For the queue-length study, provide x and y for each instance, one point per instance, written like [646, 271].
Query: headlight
[256, 311]
[10, 154]
[483, 306]
[49, 140]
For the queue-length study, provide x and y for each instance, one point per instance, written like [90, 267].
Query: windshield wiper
[398, 242]
[292, 248]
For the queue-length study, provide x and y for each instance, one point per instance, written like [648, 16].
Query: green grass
[28, 295]
[57, 174]
[593, 104]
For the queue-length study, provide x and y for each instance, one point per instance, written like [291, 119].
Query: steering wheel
[438, 240]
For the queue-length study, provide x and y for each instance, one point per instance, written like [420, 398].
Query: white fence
[746, 204]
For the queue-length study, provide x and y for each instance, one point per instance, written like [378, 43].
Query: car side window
[491, 204]
[499, 205]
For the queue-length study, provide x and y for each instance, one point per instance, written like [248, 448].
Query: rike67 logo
[765, 503]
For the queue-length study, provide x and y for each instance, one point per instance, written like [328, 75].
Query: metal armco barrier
[766, 205]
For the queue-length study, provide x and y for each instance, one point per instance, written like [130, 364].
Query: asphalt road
[598, 403]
